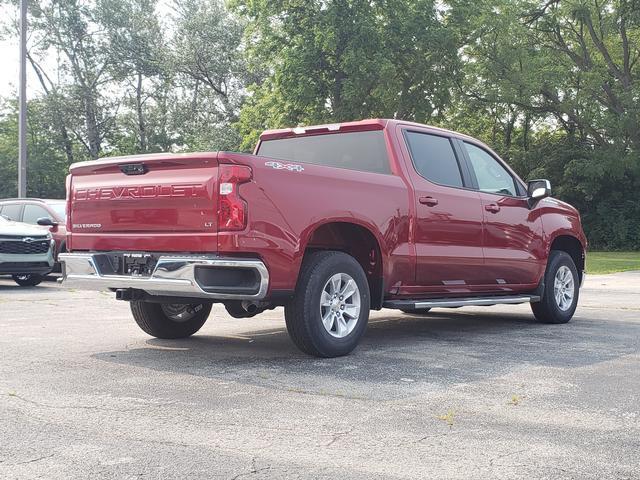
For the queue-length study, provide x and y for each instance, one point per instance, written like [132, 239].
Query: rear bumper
[211, 277]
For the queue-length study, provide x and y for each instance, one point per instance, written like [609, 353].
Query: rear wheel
[416, 311]
[170, 320]
[561, 289]
[329, 312]
[28, 279]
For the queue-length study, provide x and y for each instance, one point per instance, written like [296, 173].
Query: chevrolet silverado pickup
[328, 221]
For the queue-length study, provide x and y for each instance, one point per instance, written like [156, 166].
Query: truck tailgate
[151, 202]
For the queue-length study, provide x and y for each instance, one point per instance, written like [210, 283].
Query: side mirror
[537, 190]
[46, 222]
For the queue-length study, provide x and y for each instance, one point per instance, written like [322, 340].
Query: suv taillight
[232, 209]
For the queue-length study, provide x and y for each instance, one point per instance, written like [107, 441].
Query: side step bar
[460, 302]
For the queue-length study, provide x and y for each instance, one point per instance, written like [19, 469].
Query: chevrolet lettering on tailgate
[188, 190]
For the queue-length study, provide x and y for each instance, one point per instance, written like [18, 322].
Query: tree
[338, 60]
[136, 41]
[70, 28]
[207, 58]
[47, 165]
[574, 60]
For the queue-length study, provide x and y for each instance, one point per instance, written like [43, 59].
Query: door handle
[429, 201]
[492, 207]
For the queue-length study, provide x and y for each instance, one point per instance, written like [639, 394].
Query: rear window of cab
[362, 151]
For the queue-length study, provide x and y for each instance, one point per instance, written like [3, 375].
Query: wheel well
[358, 242]
[573, 247]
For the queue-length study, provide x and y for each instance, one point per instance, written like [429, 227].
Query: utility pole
[22, 114]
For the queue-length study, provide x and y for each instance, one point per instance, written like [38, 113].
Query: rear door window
[363, 151]
[434, 158]
[12, 211]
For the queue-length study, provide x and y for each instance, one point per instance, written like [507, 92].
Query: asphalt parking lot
[467, 393]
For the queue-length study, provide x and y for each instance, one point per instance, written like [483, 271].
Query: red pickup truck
[328, 221]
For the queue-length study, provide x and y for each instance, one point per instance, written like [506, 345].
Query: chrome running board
[461, 302]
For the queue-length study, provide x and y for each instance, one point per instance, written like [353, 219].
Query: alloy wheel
[340, 305]
[564, 288]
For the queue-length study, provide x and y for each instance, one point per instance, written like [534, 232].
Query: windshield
[60, 209]
[3, 220]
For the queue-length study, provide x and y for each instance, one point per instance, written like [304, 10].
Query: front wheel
[561, 288]
[329, 311]
[28, 279]
[170, 320]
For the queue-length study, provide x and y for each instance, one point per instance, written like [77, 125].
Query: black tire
[303, 312]
[162, 320]
[415, 311]
[28, 279]
[547, 310]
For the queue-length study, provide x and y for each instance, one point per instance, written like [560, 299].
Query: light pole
[22, 114]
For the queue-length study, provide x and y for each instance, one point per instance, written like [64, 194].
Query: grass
[448, 418]
[515, 400]
[611, 262]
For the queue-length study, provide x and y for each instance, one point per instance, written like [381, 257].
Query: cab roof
[358, 126]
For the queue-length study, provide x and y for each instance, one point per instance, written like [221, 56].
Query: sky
[9, 68]
[10, 54]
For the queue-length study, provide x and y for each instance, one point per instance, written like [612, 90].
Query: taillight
[232, 209]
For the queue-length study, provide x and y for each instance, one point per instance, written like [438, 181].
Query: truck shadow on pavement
[399, 356]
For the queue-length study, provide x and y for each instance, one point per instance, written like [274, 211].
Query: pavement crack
[82, 407]
[33, 460]
[506, 455]
[338, 435]
[253, 470]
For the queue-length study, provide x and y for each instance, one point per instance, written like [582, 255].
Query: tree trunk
[91, 122]
[525, 132]
[142, 128]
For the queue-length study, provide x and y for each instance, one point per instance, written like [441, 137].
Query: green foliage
[47, 167]
[602, 183]
[8, 155]
[332, 61]
[610, 262]
[207, 57]
[553, 86]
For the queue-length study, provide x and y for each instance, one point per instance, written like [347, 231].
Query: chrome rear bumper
[172, 276]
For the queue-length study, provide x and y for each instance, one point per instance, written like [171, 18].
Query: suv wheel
[28, 279]
[329, 312]
[170, 320]
[561, 288]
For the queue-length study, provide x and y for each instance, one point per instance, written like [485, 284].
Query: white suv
[26, 252]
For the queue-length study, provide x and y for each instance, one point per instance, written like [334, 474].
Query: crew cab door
[447, 229]
[512, 235]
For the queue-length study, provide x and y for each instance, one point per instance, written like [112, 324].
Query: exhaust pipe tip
[245, 308]
[250, 307]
